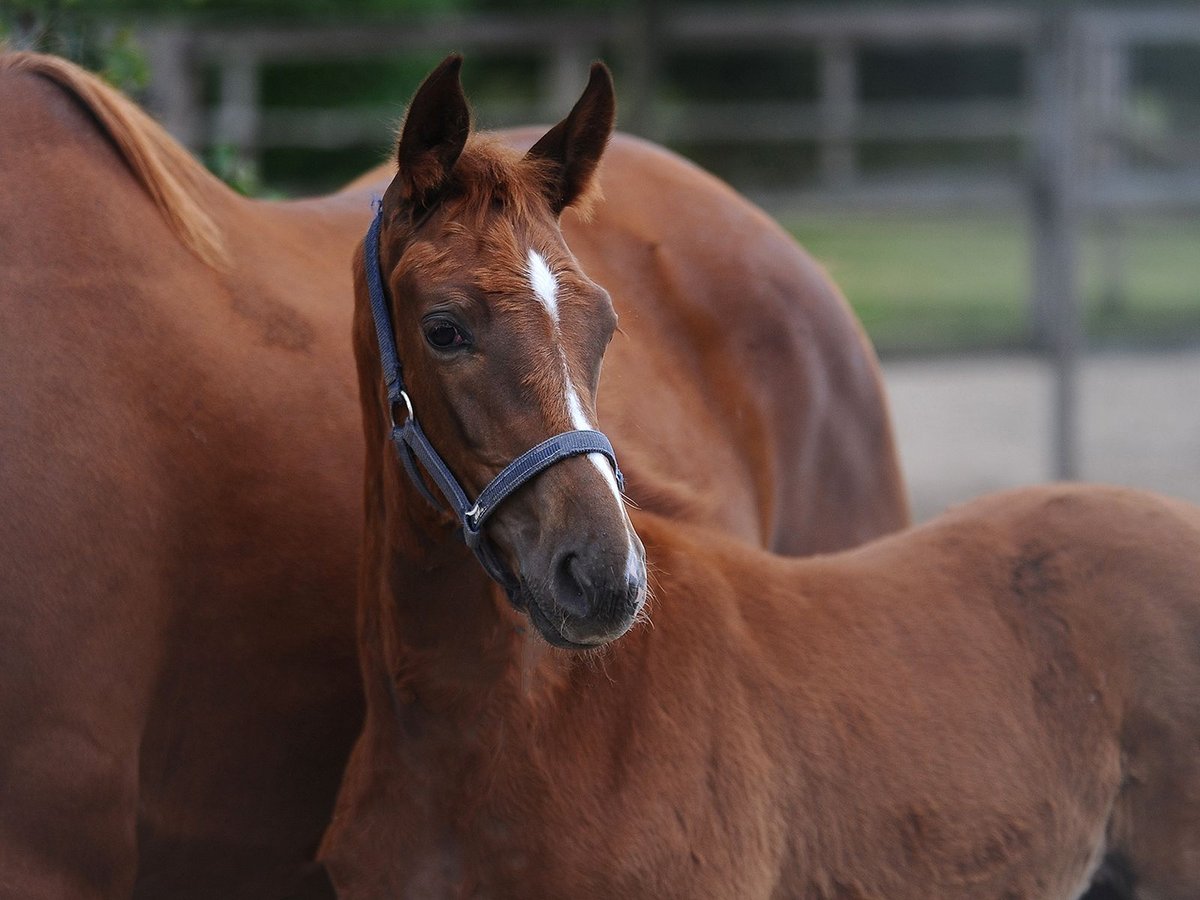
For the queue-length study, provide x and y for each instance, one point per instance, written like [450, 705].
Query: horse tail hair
[166, 171]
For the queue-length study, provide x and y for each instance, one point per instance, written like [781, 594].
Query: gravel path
[971, 426]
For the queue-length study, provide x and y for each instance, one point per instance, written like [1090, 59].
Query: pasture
[945, 283]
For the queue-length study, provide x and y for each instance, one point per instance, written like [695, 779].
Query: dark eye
[443, 334]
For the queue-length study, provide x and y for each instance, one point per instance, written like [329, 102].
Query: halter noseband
[412, 446]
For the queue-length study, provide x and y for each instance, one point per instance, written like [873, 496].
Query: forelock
[491, 174]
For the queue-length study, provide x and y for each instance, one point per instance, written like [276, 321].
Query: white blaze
[545, 288]
[545, 285]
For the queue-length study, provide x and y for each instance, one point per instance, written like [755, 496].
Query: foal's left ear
[574, 146]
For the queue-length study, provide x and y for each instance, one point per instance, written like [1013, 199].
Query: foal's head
[501, 337]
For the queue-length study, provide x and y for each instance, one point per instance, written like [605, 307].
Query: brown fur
[977, 709]
[177, 677]
[163, 168]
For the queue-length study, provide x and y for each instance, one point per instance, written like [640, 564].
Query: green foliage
[73, 29]
[230, 166]
[122, 62]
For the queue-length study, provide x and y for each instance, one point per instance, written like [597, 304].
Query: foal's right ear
[434, 133]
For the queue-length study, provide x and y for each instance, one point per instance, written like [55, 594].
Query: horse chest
[498, 825]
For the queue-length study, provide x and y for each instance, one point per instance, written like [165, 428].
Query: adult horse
[178, 687]
[1003, 704]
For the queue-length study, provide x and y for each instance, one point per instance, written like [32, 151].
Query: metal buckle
[407, 405]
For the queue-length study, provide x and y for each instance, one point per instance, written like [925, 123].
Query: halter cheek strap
[416, 452]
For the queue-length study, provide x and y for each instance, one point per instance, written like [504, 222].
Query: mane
[166, 171]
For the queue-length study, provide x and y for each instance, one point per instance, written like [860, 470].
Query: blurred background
[1008, 194]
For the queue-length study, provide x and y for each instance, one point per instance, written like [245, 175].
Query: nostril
[570, 586]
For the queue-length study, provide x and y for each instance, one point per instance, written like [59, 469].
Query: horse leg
[1165, 855]
[75, 661]
[1113, 881]
[67, 819]
[1154, 836]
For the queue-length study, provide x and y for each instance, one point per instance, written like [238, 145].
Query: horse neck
[435, 631]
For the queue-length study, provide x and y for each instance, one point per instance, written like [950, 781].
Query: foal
[1003, 704]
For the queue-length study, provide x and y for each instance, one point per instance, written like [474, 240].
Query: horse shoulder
[721, 293]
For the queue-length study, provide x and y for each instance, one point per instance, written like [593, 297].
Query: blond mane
[168, 173]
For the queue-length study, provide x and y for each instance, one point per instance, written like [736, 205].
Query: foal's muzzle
[589, 598]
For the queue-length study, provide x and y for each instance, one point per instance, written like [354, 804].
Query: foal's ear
[574, 146]
[434, 133]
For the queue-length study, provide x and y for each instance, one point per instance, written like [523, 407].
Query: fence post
[172, 94]
[642, 45]
[1055, 231]
[839, 100]
[237, 114]
[564, 77]
[1109, 86]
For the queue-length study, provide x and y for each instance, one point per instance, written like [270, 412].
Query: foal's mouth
[560, 629]
[545, 622]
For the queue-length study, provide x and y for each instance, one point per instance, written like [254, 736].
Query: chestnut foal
[1002, 704]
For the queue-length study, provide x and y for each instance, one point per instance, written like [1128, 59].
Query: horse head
[499, 337]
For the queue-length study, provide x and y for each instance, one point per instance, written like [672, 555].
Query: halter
[412, 446]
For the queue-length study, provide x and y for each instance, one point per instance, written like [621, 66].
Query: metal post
[1055, 228]
[1110, 88]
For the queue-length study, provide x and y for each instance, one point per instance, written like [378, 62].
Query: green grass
[943, 283]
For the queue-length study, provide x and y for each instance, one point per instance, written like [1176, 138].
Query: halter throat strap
[416, 452]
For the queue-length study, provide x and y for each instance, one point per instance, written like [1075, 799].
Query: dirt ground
[969, 426]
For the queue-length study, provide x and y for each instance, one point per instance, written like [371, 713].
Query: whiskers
[596, 659]
[643, 615]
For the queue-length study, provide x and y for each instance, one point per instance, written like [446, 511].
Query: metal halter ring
[471, 517]
[407, 405]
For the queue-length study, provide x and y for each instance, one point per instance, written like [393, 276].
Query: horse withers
[1002, 704]
[179, 521]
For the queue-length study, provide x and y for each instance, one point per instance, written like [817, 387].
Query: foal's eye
[443, 334]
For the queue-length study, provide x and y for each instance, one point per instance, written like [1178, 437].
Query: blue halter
[412, 446]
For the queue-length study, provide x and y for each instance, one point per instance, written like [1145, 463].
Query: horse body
[179, 525]
[180, 529]
[986, 707]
